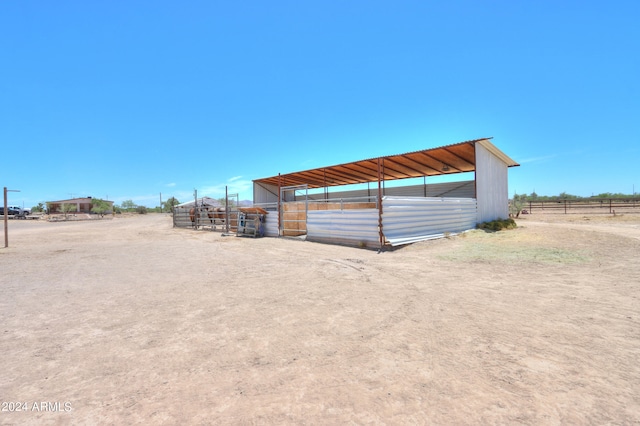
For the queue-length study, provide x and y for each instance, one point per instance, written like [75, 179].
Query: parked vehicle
[20, 210]
[10, 211]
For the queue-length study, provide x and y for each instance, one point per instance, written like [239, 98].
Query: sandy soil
[128, 320]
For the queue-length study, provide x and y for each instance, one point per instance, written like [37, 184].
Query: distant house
[83, 205]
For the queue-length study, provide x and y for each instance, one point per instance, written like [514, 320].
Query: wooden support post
[280, 206]
[380, 177]
[6, 220]
[195, 207]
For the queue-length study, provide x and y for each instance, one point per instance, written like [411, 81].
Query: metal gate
[294, 205]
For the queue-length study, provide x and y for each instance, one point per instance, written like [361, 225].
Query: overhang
[444, 160]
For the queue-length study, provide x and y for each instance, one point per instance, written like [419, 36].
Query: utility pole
[6, 216]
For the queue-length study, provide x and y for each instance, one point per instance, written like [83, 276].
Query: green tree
[565, 196]
[128, 205]
[170, 204]
[605, 195]
[67, 208]
[232, 202]
[39, 208]
[517, 204]
[99, 206]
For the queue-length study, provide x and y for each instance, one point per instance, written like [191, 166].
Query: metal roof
[202, 201]
[448, 159]
[78, 200]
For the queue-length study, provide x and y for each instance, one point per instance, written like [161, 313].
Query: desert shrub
[141, 209]
[516, 205]
[498, 225]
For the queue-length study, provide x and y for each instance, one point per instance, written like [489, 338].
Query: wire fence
[605, 206]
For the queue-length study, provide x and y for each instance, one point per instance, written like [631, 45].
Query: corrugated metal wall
[407, 220]
[492, 186]
[462, 189]
[404, 220]
[351, 226]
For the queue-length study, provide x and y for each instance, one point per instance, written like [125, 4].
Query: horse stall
[368, 210]
[208, 214]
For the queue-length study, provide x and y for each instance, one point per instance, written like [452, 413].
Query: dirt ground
[128, 320]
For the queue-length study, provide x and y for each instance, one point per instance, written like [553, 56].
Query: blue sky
[126, 100]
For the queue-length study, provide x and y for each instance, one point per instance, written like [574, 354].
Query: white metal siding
[460, 189]
[271, 219]
[357, 226]
[492, 186]
[407, 220]
[271, 224]
[263, 193]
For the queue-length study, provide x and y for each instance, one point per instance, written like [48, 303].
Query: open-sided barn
[306, 203]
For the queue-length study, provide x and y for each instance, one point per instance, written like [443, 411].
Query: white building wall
[492, 191]
[263, 193]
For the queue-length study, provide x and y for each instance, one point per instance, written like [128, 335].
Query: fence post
[565, 206]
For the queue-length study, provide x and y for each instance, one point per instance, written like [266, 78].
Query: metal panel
[355, 227]
[407, 220]
[492, 186]
[461, 189]
[458, 189]
[204, 218]
[271, 224]
[271, 220]
[264, 193]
